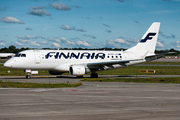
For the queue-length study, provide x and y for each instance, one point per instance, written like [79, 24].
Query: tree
[12, 49]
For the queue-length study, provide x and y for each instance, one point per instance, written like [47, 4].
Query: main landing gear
[80, 76]
[94, 75]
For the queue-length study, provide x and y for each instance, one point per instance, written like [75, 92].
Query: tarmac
[92, 101]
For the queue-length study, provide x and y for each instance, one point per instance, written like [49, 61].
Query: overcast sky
[87, 23]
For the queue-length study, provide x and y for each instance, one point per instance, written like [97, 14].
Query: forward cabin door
[37, 56]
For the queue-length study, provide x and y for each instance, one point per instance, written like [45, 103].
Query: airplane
[6, 55]
[80, 62]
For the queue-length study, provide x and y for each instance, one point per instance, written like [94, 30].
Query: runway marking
[43, 90]
[89, 96]
[73, 90]
[88, 90]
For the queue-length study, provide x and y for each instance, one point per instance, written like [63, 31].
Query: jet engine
[55, 72]
[78, 70]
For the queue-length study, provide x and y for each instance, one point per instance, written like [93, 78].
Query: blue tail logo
[148, 37]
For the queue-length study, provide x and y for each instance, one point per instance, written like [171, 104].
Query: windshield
[20, 55]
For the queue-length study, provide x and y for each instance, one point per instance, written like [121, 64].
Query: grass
[35, 85]
[163, 63]
[136, 80]
[41, 85]
[4, 72]
[134, 70]
[131, 70]
[2, 61]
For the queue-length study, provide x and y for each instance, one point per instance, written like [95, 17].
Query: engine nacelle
[78, 70]
[55, 72]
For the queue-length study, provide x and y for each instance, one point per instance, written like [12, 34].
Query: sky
[87, 23]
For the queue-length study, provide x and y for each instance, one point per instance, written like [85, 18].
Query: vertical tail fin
[148, 41]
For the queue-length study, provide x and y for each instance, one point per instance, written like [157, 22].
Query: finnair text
[70, 55]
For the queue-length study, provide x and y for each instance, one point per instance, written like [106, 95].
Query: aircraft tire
[80, 76]
[94, 75]
[28, 76]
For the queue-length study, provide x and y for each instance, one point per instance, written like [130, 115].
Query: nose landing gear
[28, 74]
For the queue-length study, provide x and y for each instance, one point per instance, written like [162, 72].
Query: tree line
[13, 49]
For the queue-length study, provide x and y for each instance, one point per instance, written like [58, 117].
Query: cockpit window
[20, 55]
[17, 55]
[23, 55]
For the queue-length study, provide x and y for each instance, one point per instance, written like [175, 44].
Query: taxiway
[93, 100]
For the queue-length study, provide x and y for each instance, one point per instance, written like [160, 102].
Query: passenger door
[37, 56]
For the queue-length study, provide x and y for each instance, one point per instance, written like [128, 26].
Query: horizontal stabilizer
[157, 56]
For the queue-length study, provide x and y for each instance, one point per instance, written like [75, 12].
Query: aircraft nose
[8, 64]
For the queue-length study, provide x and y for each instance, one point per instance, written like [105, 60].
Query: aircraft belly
[116, 66]
[62, 68]
[135, 62]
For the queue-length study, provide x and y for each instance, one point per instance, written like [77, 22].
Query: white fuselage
[61, 60]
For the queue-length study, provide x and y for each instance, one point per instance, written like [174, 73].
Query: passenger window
[108, 56]
[120, 57]
[112, 56]
[116, 56]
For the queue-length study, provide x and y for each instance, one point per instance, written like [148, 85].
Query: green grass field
[4, 72]
[36, 85]
[134, 70]
[136, 80]
[163, 63]
[131, 70]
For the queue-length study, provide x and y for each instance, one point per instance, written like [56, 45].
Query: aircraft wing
[122, 62]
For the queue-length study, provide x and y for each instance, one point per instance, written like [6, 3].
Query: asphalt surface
[93, 101]
[71, 79]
